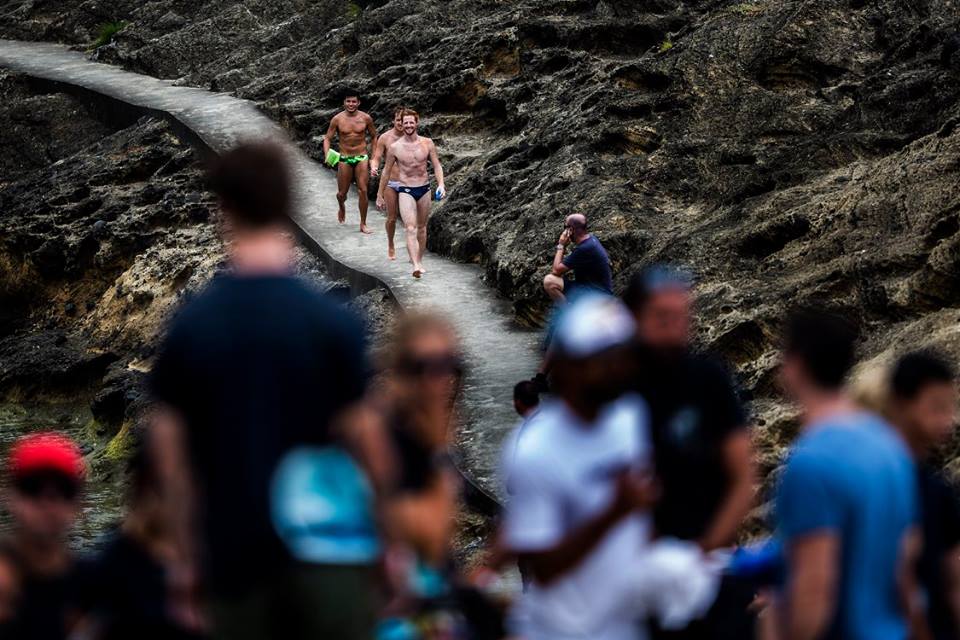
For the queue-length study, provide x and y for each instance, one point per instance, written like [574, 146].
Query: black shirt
[255, 366]
[46, 605]
[591, 267]
[940, 511]
[417, 464]
[693, 410]
[126, 591]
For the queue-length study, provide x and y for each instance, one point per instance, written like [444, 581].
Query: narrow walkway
[499, 352]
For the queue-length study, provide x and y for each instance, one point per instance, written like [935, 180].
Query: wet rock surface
[787, 152]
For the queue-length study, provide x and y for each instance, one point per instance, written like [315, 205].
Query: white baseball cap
[592, 324]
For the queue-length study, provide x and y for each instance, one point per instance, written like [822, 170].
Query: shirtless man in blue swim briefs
[352, 126]
[411, 154]
[379, 153]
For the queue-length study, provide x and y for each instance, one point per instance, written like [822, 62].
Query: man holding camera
[587, 266]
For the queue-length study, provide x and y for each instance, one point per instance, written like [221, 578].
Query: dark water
[102, 499]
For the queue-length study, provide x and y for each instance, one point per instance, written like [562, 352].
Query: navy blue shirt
[255, 366]
[852, 476]
[590, 265]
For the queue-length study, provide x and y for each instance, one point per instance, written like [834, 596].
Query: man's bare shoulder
[365, 116]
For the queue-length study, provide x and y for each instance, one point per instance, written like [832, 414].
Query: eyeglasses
[432, 366]
[45, 484]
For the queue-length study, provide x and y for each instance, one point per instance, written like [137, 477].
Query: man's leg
[423, 212]
[391, 197]
[408, 213]
[362, 174]
[553, 285]
[344, 178]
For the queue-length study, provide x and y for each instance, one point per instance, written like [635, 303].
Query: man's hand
[635, 492]
[564, 237]
[443, 191]
[374, 172]
[381, 202]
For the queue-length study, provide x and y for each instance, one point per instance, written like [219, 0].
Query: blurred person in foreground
[424, 369]
[578, 511]
[127, 591]
[846, 505]
[702, 449]
[45, 479]
[257, 364]
[919, 395]
[417, 410]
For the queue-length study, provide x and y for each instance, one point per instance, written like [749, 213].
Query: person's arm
[375, 159]
[425, 520]
[559, 268]
[548, 565]
[387, 168]
[372, 130]
[328, 138]
[741, 469]
[811, 589]
[363, 432]
[437, 169]
[911, 596]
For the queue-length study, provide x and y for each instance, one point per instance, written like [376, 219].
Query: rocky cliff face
[785, 151]
[105, 231]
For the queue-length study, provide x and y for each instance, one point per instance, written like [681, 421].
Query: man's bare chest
[351, 128]
[413, 154]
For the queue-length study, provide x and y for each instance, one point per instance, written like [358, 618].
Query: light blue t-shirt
[852, 474]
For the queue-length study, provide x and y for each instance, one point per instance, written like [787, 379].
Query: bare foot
[342, 213]
[391, 253]
[365, 229]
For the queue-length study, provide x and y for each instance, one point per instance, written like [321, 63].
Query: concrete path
[499, 352]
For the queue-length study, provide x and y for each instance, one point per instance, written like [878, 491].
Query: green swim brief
[353, 160]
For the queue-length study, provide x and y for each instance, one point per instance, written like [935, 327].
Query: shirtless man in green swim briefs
[411, 153]
[352, 126]
[379, 153]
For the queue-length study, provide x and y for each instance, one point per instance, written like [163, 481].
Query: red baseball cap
[46, 452]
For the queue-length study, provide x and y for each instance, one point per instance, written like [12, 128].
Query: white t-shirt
[562, 474]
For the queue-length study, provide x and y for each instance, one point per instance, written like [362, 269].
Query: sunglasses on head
[432, 366]
[47, 483]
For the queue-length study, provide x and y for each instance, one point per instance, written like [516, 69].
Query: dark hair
[824, 342]
[254, 185]
[526, 393]
[916, 370]
[350, 92]
[654, 279]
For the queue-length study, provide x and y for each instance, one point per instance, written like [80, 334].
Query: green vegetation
[667, 44]
[107, 32]
[120, 446]
[354, 10]
[746, 9]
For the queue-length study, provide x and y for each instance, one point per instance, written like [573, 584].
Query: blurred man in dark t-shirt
[702, 448]
[257, 364]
